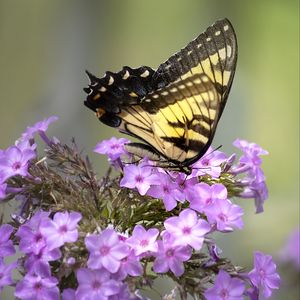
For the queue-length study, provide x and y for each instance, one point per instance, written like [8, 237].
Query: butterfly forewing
[213, 52]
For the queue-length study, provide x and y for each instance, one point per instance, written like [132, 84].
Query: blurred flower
[6, 245]
[264, 275]
[225, 288]
[106, 250]
[163, 187]
[95, 285]
[169, 257]
[13, 162]
[143, 240]
[140, 177]
[62, 229]
[187, 229]
[113, 148]
[291, 251]
[204, 195]
[38, 284]
[6, 274]
[225, 215]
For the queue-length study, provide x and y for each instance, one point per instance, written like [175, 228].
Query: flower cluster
[84, 238]
[16, 159]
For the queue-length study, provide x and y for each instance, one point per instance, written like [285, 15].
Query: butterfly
[174, 110]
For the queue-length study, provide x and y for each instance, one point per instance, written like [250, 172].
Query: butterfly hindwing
[178, 121]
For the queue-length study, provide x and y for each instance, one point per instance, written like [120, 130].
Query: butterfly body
[175, 109]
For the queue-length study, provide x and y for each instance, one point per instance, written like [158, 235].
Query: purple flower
[225, 215]
[6, 274]
[290, 253]
[187, 229]
[203, 195]
[251, 151]
[142, 240]
[186, 186]
[32, 241]
[140, 177]
[3, 187]
[6, 245]
[252, 293]
[264, 275]
[24, 144]
[62, 229]
[106, 250]
[225, 288]
[95, 285]
[68, 294]
[38, 284]
[124, 294]
[169, 257]
[38, 127]
[130, 265]
[113, 148]
[15, 162]
[44, 256]
[209, 163]
[164, 188]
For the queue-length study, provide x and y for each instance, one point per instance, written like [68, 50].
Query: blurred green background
[47, 45]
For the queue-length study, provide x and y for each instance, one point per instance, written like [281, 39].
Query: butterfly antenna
[93, 79]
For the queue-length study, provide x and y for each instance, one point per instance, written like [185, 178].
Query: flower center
[16, 165]
[223, 217]
[144, 243]
[124, 260]
[208, 201]
[38, 286]
[166, 189]
[38, 238]
[205, 162]
[96, 285]
[122, 238]
[224, 294]
[104, 250]
[170, 253]
[262, 273]
[63, 229]
[114, 146]
[139, 178]
[186, 230]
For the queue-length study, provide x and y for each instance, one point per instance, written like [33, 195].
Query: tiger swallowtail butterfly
[174, 110]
